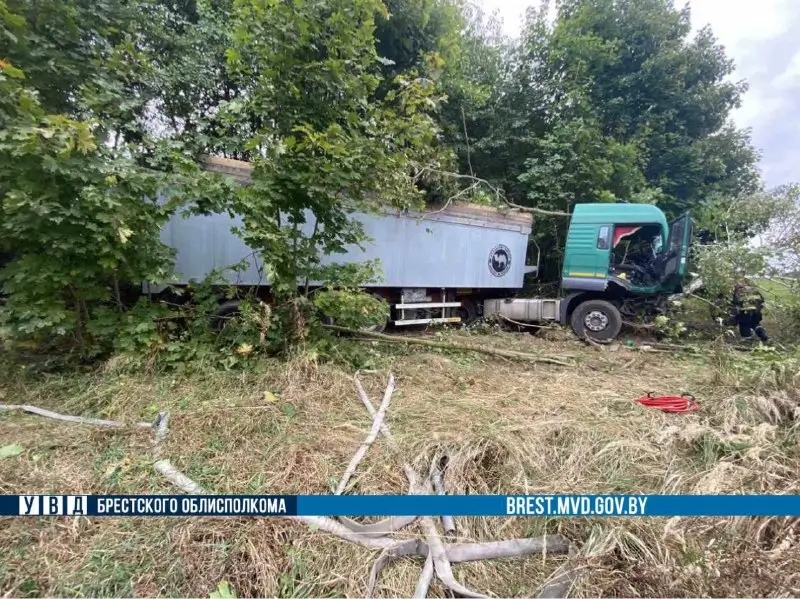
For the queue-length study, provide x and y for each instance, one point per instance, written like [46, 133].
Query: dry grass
[507, 427]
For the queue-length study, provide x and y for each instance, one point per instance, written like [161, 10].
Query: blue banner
[400, 505]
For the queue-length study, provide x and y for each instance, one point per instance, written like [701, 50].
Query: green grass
[773, 290]
[507, 428]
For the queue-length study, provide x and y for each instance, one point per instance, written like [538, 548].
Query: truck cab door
[677, 250]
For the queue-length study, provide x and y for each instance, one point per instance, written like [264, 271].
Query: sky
[760, 36]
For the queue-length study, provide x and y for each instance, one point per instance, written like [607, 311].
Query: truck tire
[468, 312]
[224, 313]
[597, 319]
[379, 327]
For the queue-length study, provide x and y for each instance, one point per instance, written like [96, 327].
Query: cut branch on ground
[490, 351]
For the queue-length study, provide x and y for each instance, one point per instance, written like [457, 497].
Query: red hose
[670, 403]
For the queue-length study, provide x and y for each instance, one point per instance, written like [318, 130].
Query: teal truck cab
[621, 262]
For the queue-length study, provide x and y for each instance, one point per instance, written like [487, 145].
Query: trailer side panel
[462, 247]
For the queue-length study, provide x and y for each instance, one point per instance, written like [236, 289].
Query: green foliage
[352, 308]
[616, 101]
[105, 105]
[9, 451]
[748, 236]
[75, 218]
[667, 327]
[84, 187]
[223, 591]
[331, 145]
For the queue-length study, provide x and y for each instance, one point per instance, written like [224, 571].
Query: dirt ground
[507, 427]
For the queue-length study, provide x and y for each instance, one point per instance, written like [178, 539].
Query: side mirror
[534, 269]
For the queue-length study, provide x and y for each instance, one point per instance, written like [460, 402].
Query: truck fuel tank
[524, 309]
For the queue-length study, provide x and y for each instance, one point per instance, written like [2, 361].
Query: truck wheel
[597, 319]
[468, 312]
[378, 327]
[224, 314]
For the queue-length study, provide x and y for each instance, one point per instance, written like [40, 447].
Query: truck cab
[621, 261]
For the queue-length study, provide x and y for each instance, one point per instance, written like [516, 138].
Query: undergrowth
[292, 425]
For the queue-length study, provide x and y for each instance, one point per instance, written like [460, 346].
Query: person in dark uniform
[748, 304]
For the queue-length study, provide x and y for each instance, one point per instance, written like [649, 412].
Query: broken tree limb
[639, 326]
[425, 578]
[490, 351]
[73, 419]
[437, 480]
[598, 345]
[373, 434]
[538, 210]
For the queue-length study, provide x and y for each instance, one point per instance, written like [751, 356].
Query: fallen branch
[638, 326]
[498, 193]
[598, 345]
[538, 210]
[373, 434]
[717, 309]
[674, 346]
[73, 419]
[523, 324]
[437, 480]
[451, 346]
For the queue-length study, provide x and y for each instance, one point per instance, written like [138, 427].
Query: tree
[749, 236]
[616, 102]
[326, 145]
[81, 178]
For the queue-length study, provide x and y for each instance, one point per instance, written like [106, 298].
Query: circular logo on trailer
[499, 260]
